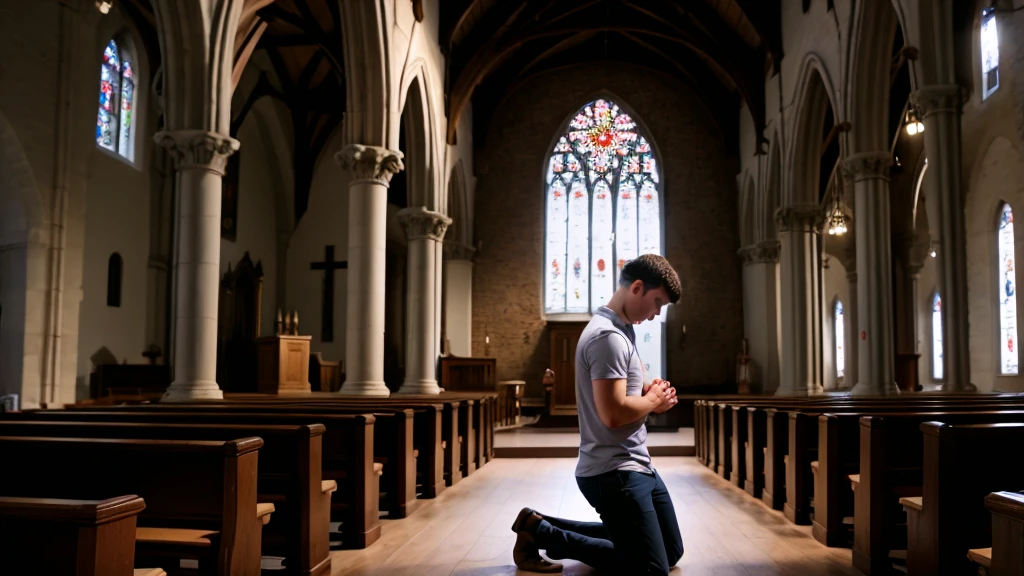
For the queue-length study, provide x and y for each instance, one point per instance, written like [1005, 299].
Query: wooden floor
[466, 530]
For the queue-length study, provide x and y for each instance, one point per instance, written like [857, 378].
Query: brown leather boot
[527, 556]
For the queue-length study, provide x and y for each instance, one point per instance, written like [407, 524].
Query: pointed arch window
[1006, 284]
[989, 53]
[114, 120]
[603, 208]
[937, 366]
[840, 327]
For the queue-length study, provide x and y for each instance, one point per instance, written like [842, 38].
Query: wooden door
[564, 336]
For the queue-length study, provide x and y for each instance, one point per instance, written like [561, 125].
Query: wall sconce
[914, 126]
[931, 250]
[104, 6]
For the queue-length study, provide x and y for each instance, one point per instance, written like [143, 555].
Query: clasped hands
[661, 394]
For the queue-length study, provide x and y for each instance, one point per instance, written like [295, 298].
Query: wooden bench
[188, 487]
[347, 454]
[75, 537]
[892, 467]
[1006, 555]
[963, 464]
[290, 480]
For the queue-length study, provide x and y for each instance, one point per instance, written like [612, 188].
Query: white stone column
[869, 175]
[371, 168]
[200, 157]
[458, 297]
[940, 108]
[425, 231]
[760, 313]
[799, 255]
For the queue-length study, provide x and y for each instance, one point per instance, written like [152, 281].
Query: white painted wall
[116, 220]
[325, 222]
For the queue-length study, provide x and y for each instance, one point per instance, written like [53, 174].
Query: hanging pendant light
[836, 221]
[104, 6]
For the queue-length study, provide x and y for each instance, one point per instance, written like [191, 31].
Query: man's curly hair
[655, 272]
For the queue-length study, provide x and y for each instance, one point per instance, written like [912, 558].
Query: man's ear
[637, 287]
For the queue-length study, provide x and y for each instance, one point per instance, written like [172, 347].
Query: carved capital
[370, 162]
[938, 99]
[867, 166]
[458, 251]
[198, 149]
[760, 253]
[420, 223]
[800, 218]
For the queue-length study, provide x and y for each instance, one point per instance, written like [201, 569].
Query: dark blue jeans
[638, 532]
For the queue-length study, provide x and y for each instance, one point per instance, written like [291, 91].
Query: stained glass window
[989, 52]
[936, 337]
[602, 210]
[1006, 284]
[117, 102]
[840, 341]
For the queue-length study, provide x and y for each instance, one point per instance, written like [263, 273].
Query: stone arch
[365, 33]
[815, 94]
[461, 229]
[773, 189]
[748, 216]
[419, 159]
[867, 82]
[124, 31]
[998, 177]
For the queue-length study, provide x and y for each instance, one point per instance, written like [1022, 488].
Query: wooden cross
[329, 265]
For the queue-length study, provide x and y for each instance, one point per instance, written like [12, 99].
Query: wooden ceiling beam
[766, 18]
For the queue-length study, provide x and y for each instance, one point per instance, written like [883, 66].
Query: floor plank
[466, 531]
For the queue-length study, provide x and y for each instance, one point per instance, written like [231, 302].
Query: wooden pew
[891, 467]
[347, 454]
[289, 476]
[963, 464]
[75, 537]
[200, 495]
[1006, 555]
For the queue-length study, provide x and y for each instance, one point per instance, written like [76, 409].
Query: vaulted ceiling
[719, 48]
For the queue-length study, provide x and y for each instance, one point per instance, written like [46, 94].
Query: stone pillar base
[796, 392]
[372, 389]
[865, 389]
[191, 391]
[419, 387]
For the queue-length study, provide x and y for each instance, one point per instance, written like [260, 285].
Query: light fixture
[104, 6]
[836, 221]
[914, 126]
[931, 250]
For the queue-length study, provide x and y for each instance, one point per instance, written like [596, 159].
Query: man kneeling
[638, 532]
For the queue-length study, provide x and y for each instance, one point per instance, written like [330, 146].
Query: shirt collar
[616, 321]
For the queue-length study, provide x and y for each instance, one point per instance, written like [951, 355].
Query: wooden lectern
[283, 361]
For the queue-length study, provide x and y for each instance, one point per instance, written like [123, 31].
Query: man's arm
[616, 409]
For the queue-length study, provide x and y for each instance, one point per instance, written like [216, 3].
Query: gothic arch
[367, 73]
[816, 92]
[748, 215]
[772, 188]
[123, 31]
[461, 229]
[419, 159]
[867, 82]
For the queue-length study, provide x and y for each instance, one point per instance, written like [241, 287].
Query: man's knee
[674, 551]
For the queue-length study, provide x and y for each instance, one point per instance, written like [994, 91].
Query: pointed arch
[461, 228]
[936, 362]
[365, 33]
[773, 187]
[839, 339]
[867, 82]
[419, 160]
[816, 94]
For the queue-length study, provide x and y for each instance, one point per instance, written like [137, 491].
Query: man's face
[641, 306]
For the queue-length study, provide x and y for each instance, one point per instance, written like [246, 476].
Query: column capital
[939, 98]
[761, 253]
[458, 251]
[198, 149]
[867, 165]
[370, 162]
[800, 218]
[423, 224]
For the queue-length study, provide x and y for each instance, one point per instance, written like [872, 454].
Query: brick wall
[699, 210]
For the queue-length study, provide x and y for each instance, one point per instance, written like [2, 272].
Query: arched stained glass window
[936, 337]
[1006, 284]
[840, 327]
[117, 102]
[989, 53]
[603, 208]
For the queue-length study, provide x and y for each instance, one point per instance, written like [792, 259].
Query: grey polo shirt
[607, 350]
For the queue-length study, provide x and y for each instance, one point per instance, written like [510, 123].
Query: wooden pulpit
[283, 362]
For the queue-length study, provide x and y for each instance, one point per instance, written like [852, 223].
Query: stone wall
[699, 210]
